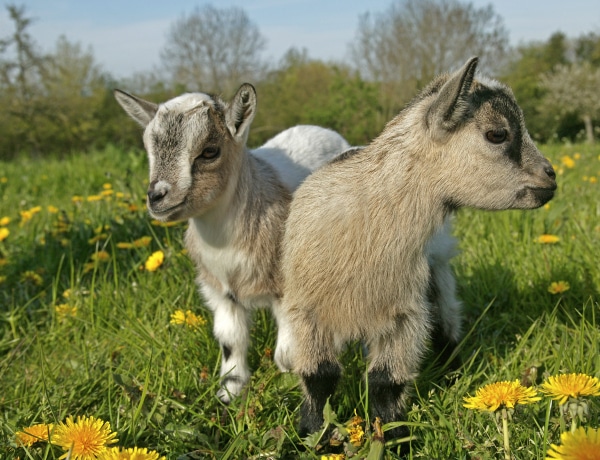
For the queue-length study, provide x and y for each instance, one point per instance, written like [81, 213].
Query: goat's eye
[496, 136]
[210, 152]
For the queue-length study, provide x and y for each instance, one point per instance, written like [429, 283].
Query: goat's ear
[140, 110]
[241, 111]
[451, 105]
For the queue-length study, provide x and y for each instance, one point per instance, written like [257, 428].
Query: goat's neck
[413, 193]
[220, 225]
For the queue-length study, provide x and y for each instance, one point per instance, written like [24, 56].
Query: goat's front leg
[284, 348]
[232, 330]
[394, 363]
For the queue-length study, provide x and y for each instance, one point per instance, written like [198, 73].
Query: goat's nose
[549, 170]
[155, 194]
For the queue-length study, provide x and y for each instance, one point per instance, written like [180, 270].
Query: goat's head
[195, 144]
[478, 130]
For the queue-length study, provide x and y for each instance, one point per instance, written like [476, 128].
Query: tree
[414, 40]
[574, 88]
[213, 50]
[307, 91]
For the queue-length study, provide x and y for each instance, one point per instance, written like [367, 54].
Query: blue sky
[126, 36]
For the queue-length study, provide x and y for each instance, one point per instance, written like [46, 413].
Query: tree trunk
[589, 129]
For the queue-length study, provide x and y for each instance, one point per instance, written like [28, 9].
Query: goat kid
[355, 258]
[236, 202]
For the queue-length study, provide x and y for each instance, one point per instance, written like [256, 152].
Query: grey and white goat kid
[355, 259]
[236, 202]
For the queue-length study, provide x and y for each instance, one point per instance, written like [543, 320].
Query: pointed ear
[140, 110]
[241, 111]
[451, 105]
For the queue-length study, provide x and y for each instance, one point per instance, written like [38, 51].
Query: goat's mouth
[539, 196]
[166, 214]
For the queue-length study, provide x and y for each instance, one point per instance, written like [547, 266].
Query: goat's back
[300, 150]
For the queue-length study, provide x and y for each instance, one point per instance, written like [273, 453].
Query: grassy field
[89, 323]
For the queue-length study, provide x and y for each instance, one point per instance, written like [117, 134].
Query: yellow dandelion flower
[189, 318]
[4, 221]
[593, 179]
[142, 242]
[107, 193]
[333, 457]
[92, 198]
[501, 394]
[65, 310]
[567, 162]
[4, 232]
[36, 433]
[67, 293]
[52, 209]
[120, 195]
[580, 445]
[4, 180]
[85, 438]
[125, 245]
[356, 434]
[558, 287]
[577, 156]
[178, 317]
[32, 277]
[154, 261]
[98, 238]
[107, 186]
[76, 199]
[548, 239]
[561, 387]
[135, 453]
[133, 207]
[2, 279]
[101, 256]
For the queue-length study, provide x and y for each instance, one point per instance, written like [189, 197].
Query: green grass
[120, 359]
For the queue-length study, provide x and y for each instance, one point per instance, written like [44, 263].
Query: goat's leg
[316, 364]
[446, 311]
[284, 347]
[232, 330]
[394, 362]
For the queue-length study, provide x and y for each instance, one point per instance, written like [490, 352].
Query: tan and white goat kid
[358, 237]
[236, 202]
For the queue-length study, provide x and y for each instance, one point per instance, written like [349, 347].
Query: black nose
[550, 172]
[155, 195]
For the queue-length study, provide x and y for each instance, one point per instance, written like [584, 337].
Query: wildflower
[52, 209]
[356, 434]
[135, 453]
[67, 293]
[4, 232]
[593, 179]
[85, 438]
[76, 199]
[4, 180]
[158, 223]
[561, 387]
[548, 239]
[558, 287]
[32, 277]
[154, 261]
[142, 242]
[501, 394]
[98, 238]
[2, 279]
[188, 318]
[580, 445]
[92, 198]
[30, 435]
[101, 256]
[107, 186]
[124, 245]
[333, 457]
[28, 214]
[567, 162]
[4, 221]
[107, 193]
[64, 310]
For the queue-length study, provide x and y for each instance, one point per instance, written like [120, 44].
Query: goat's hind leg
[232, 330]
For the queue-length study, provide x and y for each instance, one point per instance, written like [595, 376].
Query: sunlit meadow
[101, 323]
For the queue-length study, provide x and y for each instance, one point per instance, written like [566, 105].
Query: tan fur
[354, 251]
